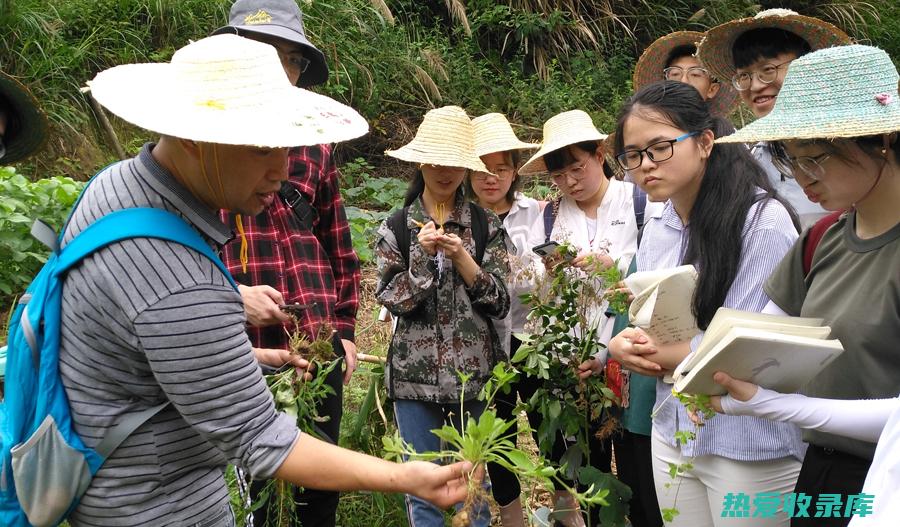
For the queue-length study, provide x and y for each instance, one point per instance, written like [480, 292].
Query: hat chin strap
[221, 188]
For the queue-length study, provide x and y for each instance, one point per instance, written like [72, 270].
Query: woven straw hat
[561, 130]
[493, 133]
[715, 49]
[844, 91]
[225, 89]
[444, 138]
[650, 66]
[26, 131]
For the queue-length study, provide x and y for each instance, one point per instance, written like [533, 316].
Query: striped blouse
[766, 238]
[146, 321]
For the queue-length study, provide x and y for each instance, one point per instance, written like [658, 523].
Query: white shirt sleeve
[862, 419]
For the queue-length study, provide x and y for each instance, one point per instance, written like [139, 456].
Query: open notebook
[662, 303]
[781, 353]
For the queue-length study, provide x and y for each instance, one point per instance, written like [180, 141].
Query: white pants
[701, 490]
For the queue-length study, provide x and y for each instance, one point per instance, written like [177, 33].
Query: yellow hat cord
[244, 248]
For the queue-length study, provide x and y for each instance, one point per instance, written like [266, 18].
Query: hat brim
[504, 147]
[436, 154]
[715, 48]
[649, 69]
[317, 71]
[32, 124]
[148, 96]
[536, 164]
[788, 126]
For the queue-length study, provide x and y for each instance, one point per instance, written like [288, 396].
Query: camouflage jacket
[442, 325]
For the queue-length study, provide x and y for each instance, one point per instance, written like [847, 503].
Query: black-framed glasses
[576, 172]
[766, 75]
[657, 152]
[810, 166]
[677, 73]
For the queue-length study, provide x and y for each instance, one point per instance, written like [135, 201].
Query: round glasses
[677, 73]
[810, 166]
[576, 172]
[766, 75]
[500, 173]
[658, 151]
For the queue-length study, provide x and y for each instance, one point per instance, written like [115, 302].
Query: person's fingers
[740, 390]
[642, 349]
[273, 294]
[692, 415]
[716, 402]
[637, 362]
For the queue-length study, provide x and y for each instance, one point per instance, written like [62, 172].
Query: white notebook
[662, 303]
[781, 353]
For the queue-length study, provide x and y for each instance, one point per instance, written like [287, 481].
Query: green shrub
[23, 202]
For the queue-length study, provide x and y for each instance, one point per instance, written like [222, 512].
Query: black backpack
[397, 223]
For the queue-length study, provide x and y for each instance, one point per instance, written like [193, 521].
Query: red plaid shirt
[318, 267]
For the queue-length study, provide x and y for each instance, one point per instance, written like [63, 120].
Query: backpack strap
[815, 235]
[396, 222]
[479, 231]
[639, 197]
[550, 212]
[125, 428]
[141, 222]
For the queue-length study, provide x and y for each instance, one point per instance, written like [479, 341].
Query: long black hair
[730, 186]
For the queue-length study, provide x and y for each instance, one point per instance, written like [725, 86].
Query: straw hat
[715, 49]
[844, 91]
[444, 138]
[650, 66]
[225, 89]
[561, 130]
[493, 133]
[26, 130]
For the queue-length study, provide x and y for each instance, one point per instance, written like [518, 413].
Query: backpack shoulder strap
[815, 235]
[397, 223]
[639, 197]
[550, 212]
[479, 231]
[143, 222]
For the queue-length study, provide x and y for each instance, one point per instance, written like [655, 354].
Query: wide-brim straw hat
[445, 138]
[225, 89]
[561, 130]
[715, 50]
[844, 91]
[650, 66]
[29, 132]
[493, 133]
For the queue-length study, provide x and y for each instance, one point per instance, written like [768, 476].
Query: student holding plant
[595, 217]
[835, 127]
[444, 289]
[497, 189]
[722, 216]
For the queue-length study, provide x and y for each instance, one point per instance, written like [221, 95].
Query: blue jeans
[415, 420]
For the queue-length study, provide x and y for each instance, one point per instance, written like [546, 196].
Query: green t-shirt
[853, 284]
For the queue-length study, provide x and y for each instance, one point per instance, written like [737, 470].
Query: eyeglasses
[766, 75]
[677, 73]
[577, 173]
[811, 166]
[294, 59]
[501, 173]
[657, 152]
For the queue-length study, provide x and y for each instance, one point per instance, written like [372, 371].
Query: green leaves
[23, 202]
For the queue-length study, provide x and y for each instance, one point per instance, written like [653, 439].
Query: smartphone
[546, 249]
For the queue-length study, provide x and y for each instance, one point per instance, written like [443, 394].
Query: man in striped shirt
[146, 321]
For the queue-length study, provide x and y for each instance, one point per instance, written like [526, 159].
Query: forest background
[392, 60]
